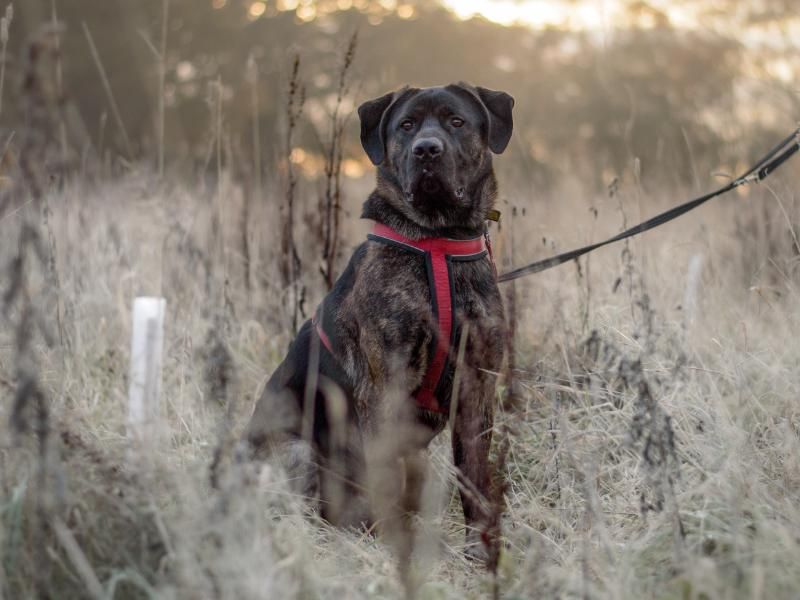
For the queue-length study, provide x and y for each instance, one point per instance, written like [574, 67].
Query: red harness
[439, 254]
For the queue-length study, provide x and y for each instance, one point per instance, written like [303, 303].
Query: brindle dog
[433, 149]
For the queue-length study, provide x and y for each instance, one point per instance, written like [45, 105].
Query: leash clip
[752, 178]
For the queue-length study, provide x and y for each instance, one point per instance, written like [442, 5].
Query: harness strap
[439, 253]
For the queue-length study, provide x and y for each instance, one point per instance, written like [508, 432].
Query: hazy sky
[605, 15]
[594, 14]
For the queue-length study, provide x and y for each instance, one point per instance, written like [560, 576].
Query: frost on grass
[649, 454]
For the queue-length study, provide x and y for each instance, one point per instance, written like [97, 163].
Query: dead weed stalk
[331, 201]
[291, 265]
[30, 410]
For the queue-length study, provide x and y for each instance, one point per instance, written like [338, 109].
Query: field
[653, 444]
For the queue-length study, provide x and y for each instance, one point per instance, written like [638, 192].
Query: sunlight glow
[575, 15]
[306, 13]
[405, 11]
[603, 17]
[782, 69]
[256, 9]
[607, 15]
[533, 13]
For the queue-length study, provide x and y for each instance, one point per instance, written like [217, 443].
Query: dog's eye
[407, 124]
[457, 121]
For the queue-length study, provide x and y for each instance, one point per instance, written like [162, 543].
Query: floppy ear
[372, 115]
[501, 123]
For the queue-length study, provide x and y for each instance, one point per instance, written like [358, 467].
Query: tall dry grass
[652, 445]
[647, 436]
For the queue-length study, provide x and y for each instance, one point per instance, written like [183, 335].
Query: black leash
[763, 169]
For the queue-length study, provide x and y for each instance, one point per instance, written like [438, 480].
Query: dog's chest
[394, 309]
[398, 285]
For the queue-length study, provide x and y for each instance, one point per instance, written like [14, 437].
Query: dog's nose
[428, 148]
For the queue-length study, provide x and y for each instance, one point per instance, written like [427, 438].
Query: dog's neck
[383, 205]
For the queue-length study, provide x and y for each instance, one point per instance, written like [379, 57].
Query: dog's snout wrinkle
[428, 148]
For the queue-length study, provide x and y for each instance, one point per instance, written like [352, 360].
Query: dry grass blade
[162, 76]
[291, 265]
[5, 23]
[78, 559]
[332, 199]
[109, 92]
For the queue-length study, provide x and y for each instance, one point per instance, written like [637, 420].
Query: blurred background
[207, 152]
[687, 87]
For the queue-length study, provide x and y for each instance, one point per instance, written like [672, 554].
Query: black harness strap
[763, 169]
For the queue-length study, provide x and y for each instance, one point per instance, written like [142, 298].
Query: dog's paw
[477, 553]
[297, 460]
[475, 548]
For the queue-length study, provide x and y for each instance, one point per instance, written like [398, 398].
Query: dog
[370, 379]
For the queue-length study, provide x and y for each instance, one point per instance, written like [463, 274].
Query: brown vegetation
[648, 433]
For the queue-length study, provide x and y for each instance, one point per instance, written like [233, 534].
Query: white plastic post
[147, 344]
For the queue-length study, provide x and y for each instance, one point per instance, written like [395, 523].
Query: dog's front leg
[391, 450]
[392, 443]
[472, 438]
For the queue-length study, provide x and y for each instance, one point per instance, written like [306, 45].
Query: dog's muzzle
[427, 149]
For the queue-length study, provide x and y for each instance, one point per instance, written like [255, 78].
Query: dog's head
[433, 148]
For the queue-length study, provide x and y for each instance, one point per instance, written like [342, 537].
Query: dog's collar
[434, 245]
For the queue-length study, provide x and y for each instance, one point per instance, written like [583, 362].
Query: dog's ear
[501, 123]
[373, 115]
[497, 109]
